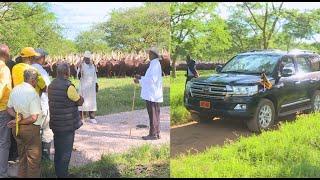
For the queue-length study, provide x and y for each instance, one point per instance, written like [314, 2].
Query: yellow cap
[28, 52]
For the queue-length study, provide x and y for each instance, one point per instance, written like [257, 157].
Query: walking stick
[134, 97]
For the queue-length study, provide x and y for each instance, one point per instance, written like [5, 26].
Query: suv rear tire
[264, 116]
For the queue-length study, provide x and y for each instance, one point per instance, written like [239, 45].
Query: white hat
[87, 54]
[155, 51]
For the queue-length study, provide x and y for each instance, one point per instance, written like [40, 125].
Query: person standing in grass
[191, 69]
[88, 86]
[46, 133]
[152, 93]
[25, 101]
[5, 132]
[64, 117]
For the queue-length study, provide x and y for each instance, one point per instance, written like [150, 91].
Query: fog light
[241, 107]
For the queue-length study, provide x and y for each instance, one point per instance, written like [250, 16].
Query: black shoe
[149, 137]
[158, 136]
[14, 159]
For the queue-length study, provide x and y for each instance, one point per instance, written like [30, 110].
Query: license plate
[205, 104]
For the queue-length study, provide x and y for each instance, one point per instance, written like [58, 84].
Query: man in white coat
[46, 132]
[88, 86]
[152, 93]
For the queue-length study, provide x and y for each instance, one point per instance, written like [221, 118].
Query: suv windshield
[252, 64]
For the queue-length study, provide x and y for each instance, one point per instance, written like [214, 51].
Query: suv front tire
[264, 116]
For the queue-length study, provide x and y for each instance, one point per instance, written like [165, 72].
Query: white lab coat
[151, 83]
[87, 87]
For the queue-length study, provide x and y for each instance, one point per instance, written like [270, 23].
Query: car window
[286, 62]
[303, 64]
[252, 64]
[315, 63]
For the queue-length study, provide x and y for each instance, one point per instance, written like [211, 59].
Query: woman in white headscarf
[88, 86]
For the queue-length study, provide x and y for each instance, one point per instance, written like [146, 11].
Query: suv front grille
[215, 91]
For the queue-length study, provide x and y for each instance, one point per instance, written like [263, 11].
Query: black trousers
[13, 153]
[153, 109]
[63, 145]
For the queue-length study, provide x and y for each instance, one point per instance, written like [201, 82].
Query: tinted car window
[303, 64]
[252, 63]
[315, 63]
[286, 62]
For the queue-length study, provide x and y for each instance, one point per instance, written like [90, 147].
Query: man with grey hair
[46, 133]
[64, 117]
[24, 104]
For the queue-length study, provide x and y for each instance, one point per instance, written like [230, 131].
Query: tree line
[197, 28]
[128, 29]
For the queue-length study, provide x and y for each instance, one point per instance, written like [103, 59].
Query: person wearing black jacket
[191, 69]
[64, 117]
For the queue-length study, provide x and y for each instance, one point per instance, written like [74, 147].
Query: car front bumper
[221, 108]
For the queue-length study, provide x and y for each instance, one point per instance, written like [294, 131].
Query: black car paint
[285, 90]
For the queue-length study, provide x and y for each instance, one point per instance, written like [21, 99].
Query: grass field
[178, 113]
[145, 161]
[291, 151]
[116, 94]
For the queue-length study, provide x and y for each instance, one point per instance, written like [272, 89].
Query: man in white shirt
[25, 101]
[45, 131]
[152, 92]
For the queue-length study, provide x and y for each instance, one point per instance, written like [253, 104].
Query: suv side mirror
[218, 68]
[288, 71]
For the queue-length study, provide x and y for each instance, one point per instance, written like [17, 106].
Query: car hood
[231, 79]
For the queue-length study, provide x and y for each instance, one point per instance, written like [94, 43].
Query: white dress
[87, 87]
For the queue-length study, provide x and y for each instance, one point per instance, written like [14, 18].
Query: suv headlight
[245, 90]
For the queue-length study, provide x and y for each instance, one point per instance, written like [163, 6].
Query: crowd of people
[35, 111]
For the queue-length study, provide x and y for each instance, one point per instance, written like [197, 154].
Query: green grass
[145, 161]
[178, 113]
[291, 151]
[116, 95]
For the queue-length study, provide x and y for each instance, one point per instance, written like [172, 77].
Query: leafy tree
[196, 29]
[138, 28]
[92, 40]
[31, 24]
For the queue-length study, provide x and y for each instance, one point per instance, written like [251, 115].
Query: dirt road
[195, 137]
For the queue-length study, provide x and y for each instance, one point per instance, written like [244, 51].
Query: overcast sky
[79, 16]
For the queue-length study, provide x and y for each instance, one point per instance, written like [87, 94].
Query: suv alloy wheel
[263, 117]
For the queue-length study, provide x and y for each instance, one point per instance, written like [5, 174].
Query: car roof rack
[301, 51]
[261, 50]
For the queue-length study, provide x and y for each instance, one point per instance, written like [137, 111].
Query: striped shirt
[25, 100]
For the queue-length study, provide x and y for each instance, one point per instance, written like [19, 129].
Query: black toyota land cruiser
[236, 90]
